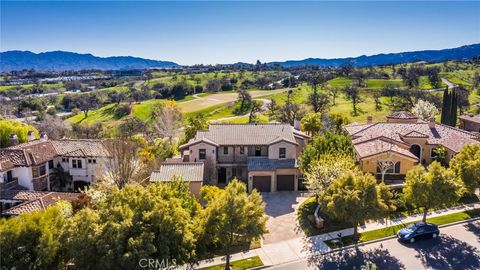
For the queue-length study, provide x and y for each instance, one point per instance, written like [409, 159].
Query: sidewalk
[302, 247]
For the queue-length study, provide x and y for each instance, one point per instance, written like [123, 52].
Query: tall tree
[311, 123]
[194, 124]
[453, 109]
[325, 170]
[125, 165]
[245, 98]
[466, 165]
[328, 142]
[434, 188]
[446, 107]
[167, 120]
[232, 216]
[353, 94]
[134, 223]
[356, 198]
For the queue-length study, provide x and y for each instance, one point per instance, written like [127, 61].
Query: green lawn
[238, 265]
[305, 219]
[390, 231]
[379, 84]
[340, 82]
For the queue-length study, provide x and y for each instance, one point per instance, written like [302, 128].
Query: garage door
[285, 182]
[262, 183]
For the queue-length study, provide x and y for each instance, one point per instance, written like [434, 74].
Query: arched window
[397, 167]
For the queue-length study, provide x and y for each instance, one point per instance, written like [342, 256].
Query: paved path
[449, 83]
[264, 108]
[301, 248]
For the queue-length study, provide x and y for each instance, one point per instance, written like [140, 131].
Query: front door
[222, 175]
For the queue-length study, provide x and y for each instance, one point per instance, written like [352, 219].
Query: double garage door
[284, 182]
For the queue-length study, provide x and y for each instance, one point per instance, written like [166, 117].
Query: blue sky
[227, 32]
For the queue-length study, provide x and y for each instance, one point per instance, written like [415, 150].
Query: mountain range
[60, 60]
[461, 53]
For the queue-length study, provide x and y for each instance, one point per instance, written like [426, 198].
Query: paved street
[457, 248]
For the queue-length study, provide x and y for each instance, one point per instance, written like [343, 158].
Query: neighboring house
[191, 172]
[262, 155]
[470, 122]
[406, 141]
[31, 165]
[15, 202]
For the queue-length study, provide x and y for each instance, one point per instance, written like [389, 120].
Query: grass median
[238, 265]
[392, 230]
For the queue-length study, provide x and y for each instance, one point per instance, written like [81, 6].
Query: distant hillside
[59, 60]
[460, 53]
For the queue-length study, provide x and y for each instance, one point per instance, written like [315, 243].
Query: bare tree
[124, 166]
[333, 91]
[54, 126]
[387, 163]
[167, 120]
[256, 108]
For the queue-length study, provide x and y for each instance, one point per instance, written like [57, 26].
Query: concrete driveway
[281, 207]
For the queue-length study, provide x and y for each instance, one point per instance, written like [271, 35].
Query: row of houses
[264, 156]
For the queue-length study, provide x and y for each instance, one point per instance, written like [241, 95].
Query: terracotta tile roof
[80, 148]
[473, 118]
[37, 201]
[402, 115]
[378, 146]
[245, 134]
[26, 154]
[189, 171]
[21, 195]
[449, 137]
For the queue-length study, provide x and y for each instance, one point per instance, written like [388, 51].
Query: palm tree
[60, 180]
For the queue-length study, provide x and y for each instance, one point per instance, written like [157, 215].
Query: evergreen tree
[453, 109]
[445, 107]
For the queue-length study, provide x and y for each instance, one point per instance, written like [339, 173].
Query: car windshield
[411, 228]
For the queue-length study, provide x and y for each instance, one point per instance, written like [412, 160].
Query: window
[397, 167]
[65, 160]
[94, 161]
[433, 154]
[258, 151]
[50, 164]
[242, 150]
[77, 163]
[225, 150]
[282, 152]
[202, 154]
[42, 170]
[394, 169]
[8, 177]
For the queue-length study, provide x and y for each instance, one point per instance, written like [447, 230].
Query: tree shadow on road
[447, 252]
[356, 259]
[474, 227]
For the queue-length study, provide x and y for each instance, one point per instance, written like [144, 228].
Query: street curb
[379, 240]
[394, 236]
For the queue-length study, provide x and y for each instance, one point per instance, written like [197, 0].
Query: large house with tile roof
[262, 155]
[30, 165]
[405, 140]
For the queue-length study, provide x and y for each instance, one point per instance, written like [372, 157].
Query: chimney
[369, 119]
[43, 136]
[431, 123]
[13, 140]
[31, 135]
[296, 124]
